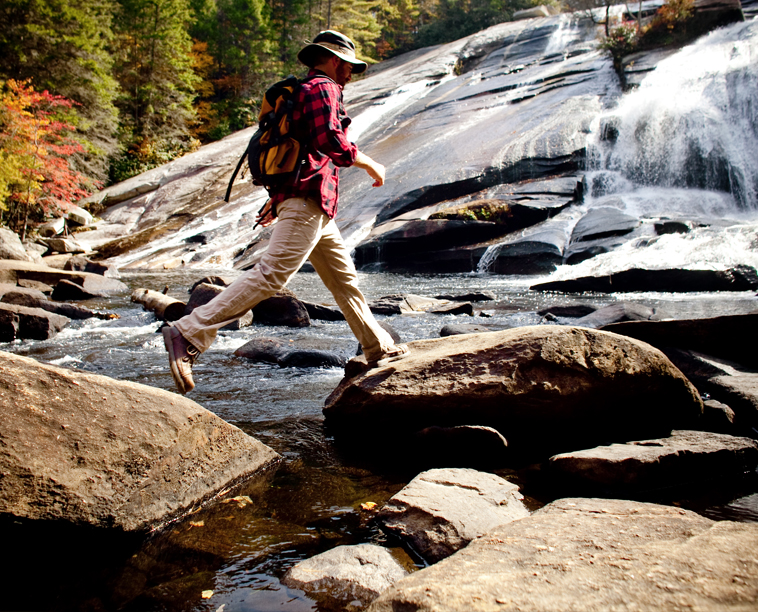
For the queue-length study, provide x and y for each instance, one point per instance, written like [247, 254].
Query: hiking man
[305, 227]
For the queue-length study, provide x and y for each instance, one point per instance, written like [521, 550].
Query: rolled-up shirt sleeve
[325, 114]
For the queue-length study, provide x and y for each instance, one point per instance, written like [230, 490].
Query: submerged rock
[90, 450]
[614, 313]
[441, 511]
[542, 387]
[346, 575]
[271, 350]
[684, 457]
[595, 555]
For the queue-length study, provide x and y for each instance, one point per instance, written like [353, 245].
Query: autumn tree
[36, 148]
[63, 46]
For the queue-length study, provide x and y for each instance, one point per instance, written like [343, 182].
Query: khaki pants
[303, 231]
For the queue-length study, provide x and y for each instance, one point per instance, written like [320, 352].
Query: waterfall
[693, 123]
[489, 257]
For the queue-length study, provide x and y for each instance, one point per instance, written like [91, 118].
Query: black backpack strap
[234, 176]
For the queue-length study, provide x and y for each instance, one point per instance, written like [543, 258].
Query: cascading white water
[683, 145]
[692, 123]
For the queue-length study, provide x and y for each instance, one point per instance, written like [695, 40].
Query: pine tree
[154, 67]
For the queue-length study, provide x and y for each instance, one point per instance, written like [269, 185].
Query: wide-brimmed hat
[338, 44]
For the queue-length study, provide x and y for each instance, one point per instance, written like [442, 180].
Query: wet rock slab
[732, 337]
[442, 510]
[346, 575]
[740, 278]
[542, 387]
[90, 450]
[25, 323]
[685, 456]
[594, 555]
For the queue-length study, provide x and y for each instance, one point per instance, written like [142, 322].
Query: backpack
[274, 154]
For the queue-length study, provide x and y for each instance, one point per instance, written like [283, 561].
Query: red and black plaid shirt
[320, 115]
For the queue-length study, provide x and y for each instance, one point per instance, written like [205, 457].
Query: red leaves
[35, 145]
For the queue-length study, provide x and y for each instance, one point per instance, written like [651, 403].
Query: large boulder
[346, 575]
[684, 457]
[441, 511]
[91, 450]
[542, 387]
[593, 555]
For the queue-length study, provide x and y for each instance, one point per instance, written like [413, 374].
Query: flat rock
[90, 450]
[592, 555]
[65, 245]
[466, 328]
[741, 278]
[542, 387]
[441, 511]
[72, 311]
[32, 323]
[683, 457]
[15, 271]
[614, 313]
[731, 337]
[741, 393]
[346, 574]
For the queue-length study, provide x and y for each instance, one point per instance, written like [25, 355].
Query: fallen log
[165, 308]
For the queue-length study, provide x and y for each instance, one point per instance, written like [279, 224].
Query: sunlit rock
[346, 575]
[90, 450]
[543, 387]
[592, 554]
[442, 510]
[684, 457]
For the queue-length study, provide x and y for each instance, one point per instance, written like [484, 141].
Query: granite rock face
[90, 450]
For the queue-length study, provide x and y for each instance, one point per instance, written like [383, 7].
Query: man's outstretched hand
[374, 169]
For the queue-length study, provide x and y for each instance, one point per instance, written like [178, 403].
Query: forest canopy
[115, 87]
